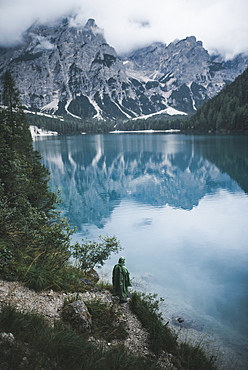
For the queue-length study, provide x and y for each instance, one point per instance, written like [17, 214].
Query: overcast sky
[221, 24]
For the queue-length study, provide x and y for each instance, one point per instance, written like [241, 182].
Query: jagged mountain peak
[69, 24]
[145, 50]
[91, 24]
[190, 40]
[66, 68]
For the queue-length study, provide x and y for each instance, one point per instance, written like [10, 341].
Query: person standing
[121, 280]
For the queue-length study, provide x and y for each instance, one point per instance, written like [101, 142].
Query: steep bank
[49, 304]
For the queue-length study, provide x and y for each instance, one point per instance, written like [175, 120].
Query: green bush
[90, 253]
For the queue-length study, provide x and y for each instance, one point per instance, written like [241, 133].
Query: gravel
[49, 304]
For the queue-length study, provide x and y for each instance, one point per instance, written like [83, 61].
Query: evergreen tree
[228, 111]
[13, 126]
[10, 93]
[32, 232]
[34, 240]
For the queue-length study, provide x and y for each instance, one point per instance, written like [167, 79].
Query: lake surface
[179, 206]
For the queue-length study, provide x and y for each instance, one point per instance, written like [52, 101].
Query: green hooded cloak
[121, 279]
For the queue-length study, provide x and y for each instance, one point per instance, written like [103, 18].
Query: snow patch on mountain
[170, 111]
[53, 105]
[38, 132]
[64, 68]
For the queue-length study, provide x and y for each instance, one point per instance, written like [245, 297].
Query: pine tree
[13, 126]
[228, 111]
[31, 231]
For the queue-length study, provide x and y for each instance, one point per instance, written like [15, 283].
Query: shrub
[90, 253]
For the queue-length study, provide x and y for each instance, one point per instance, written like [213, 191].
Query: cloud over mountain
[127, 25]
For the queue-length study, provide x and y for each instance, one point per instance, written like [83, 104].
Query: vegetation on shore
[31, 342]
[72, 126]
[163, 338]
[34, 240]
[37, 345]
[35, 248]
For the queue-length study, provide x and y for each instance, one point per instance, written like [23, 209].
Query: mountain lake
[179, 206]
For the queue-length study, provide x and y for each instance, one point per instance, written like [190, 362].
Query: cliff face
[61, 68]
[66, 69]
[184, 71]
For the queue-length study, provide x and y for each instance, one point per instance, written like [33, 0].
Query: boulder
[93, 275]
[185, 321]
[78, 316]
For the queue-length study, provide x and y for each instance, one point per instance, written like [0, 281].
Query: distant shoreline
[143, 131]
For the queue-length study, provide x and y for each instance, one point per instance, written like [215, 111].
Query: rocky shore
[50, 303]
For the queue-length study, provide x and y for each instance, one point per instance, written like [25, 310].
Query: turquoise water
[179, 206]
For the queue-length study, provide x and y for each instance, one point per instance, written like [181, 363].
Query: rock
[92, 278]
[7, 337]
[93, 275]
[185, 321]
[78, 316]
[180, 319]
[87, 282]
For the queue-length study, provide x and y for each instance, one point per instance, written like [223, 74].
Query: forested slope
[226, 112]
[34, 241]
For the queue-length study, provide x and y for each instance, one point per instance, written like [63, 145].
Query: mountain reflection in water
[95, 174]
[179, 207]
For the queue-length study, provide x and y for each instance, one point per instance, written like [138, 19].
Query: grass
[40, 346]
[146, 307]
[39, 278]
[66, 278]
[105, 321]
[163, 338]
[105, 285]
[194, 357]
[62, 347]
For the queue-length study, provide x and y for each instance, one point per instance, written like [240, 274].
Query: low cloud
[221, 25]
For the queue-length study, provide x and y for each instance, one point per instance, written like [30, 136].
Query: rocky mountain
[66, 69]
[184, 72]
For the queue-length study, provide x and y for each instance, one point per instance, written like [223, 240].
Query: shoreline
[229, 352]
